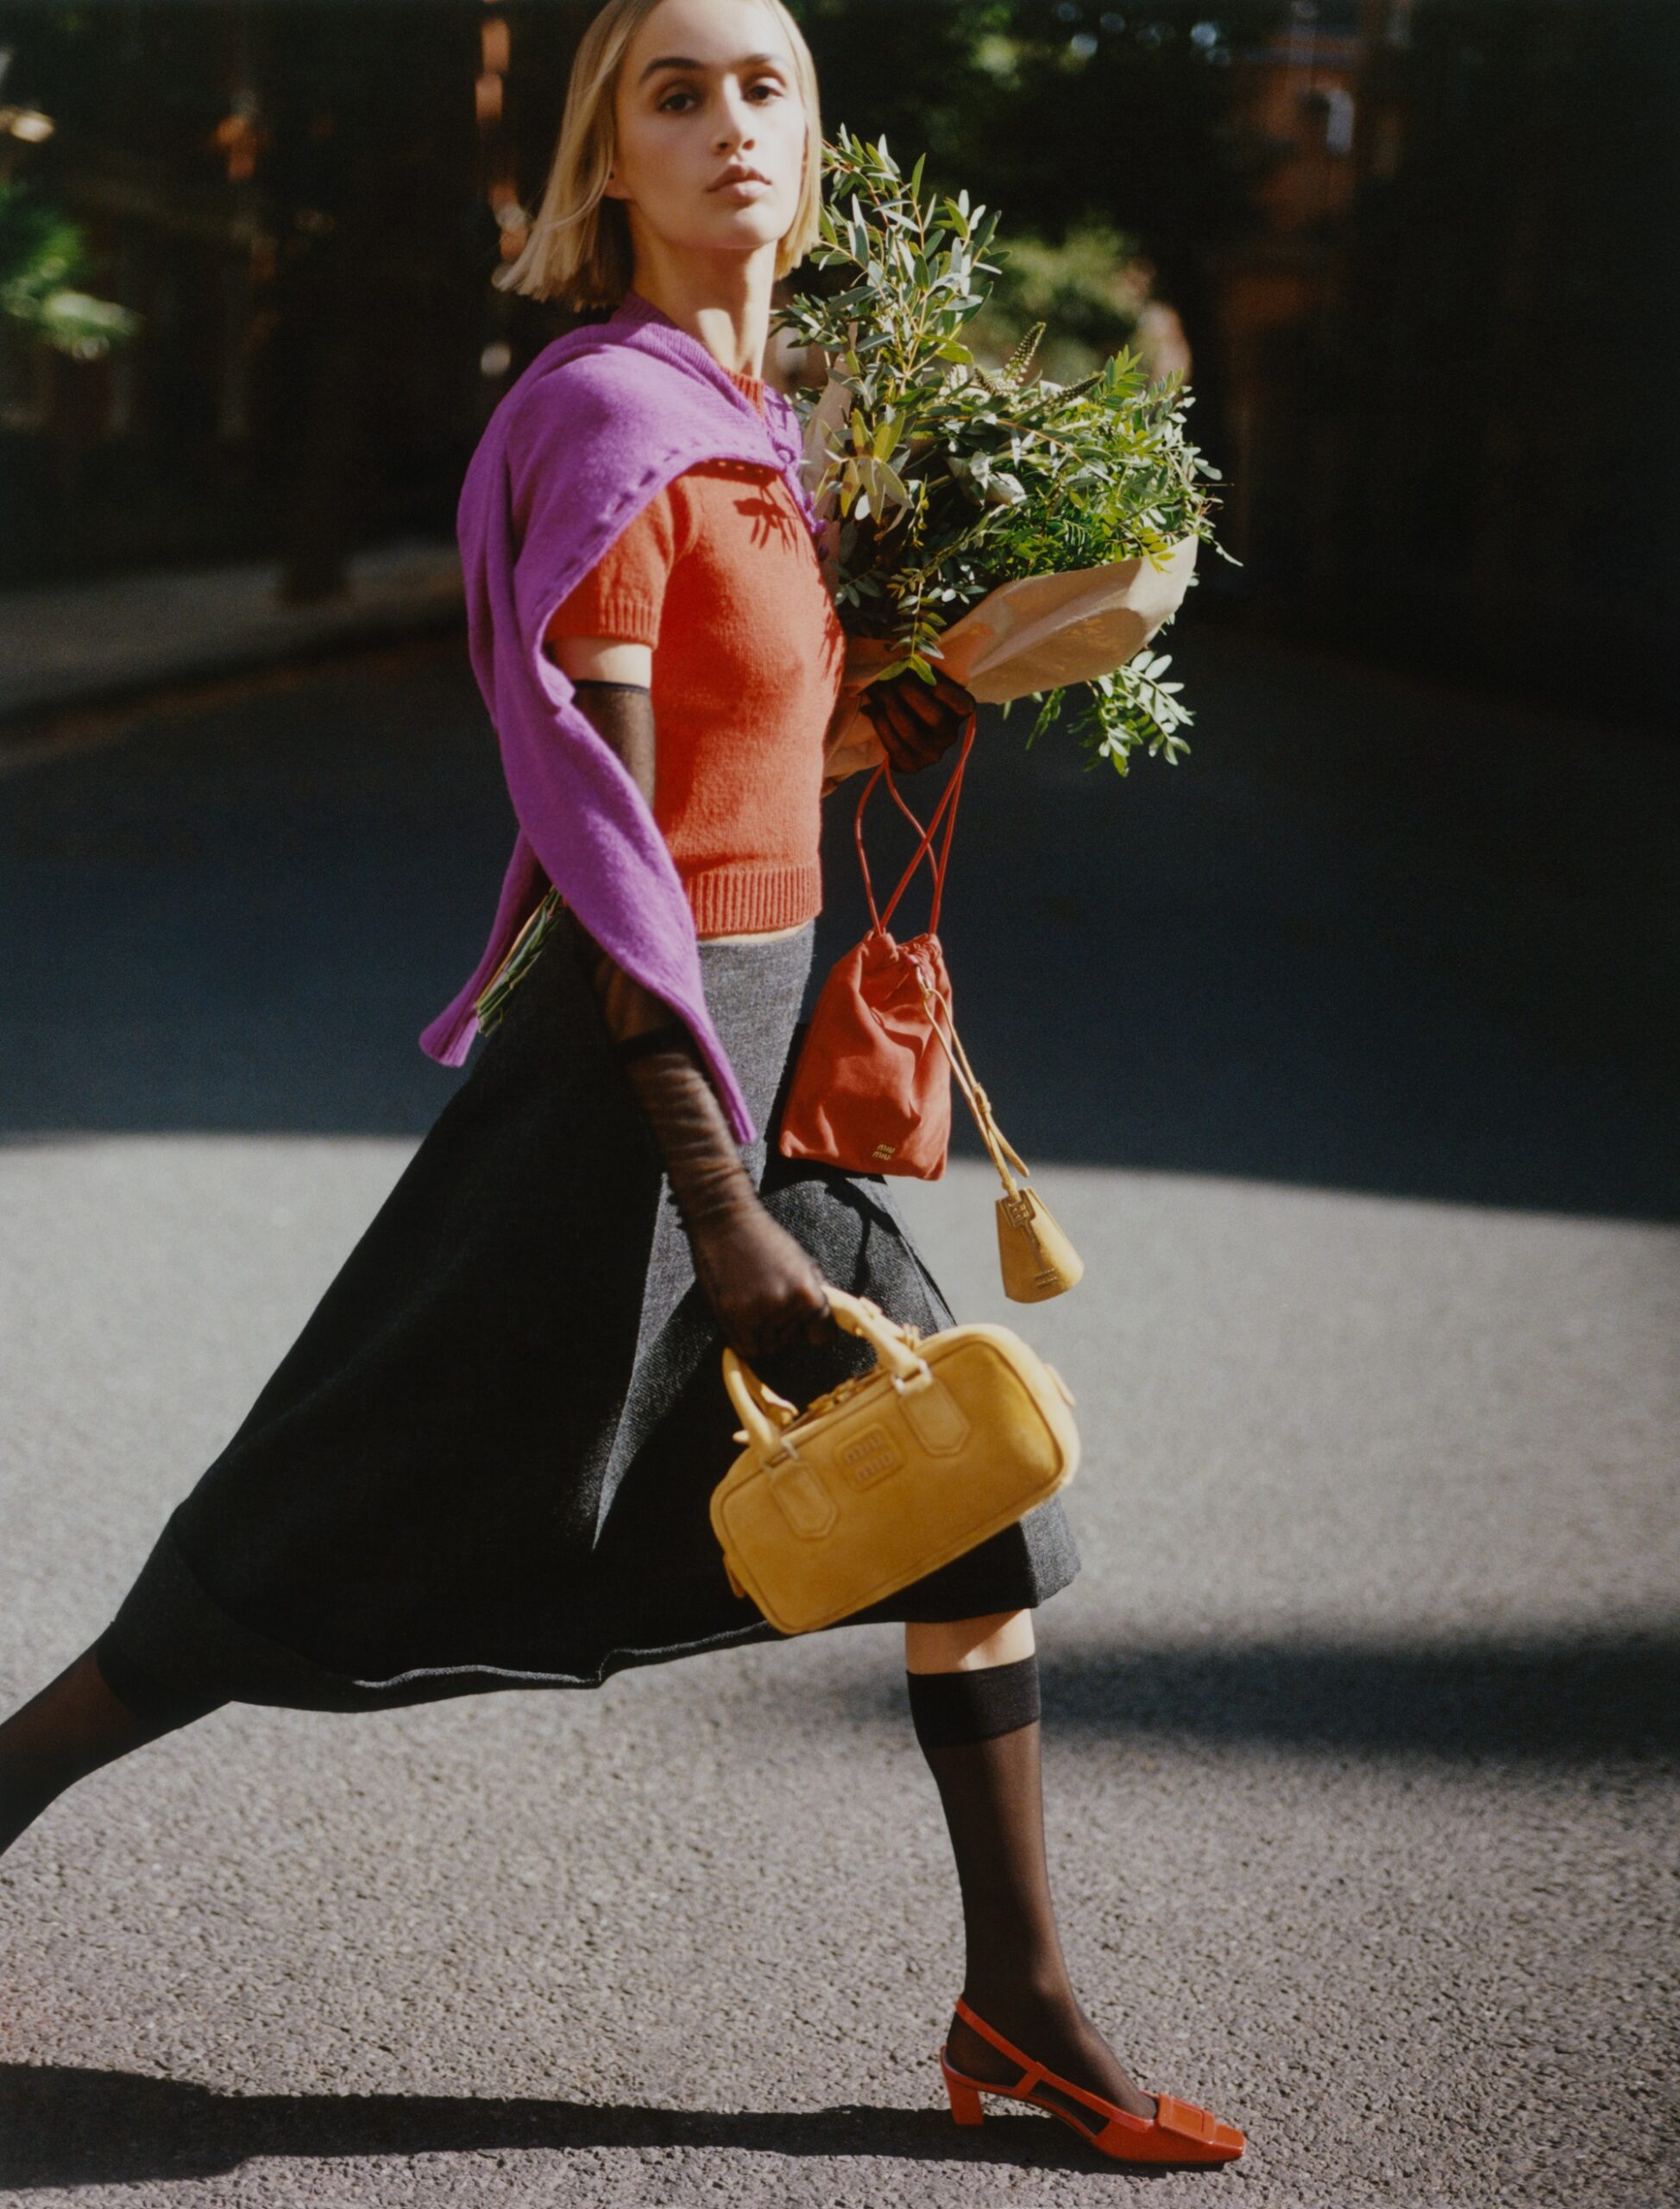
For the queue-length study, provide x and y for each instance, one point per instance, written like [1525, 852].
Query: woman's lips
[747, 184]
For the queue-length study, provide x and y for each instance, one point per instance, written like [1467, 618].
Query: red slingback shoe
[1179, 2132]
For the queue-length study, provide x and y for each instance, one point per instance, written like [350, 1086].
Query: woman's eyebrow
[688, 61]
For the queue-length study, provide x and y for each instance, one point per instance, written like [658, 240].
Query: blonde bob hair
[578, 251]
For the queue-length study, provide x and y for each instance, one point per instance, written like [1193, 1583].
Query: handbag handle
[763, 1411]
[947, 800]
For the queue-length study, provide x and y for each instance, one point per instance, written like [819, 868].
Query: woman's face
[705, 86]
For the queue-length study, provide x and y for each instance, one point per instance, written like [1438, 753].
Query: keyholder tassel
[1037, 1260]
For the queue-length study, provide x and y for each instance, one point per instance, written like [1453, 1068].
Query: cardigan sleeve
[622, 596]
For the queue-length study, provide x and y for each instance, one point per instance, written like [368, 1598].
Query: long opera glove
[761, 1283]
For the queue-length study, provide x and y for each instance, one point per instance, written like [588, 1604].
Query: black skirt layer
[486, 1460]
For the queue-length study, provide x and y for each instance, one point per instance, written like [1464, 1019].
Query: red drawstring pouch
[870, 1089]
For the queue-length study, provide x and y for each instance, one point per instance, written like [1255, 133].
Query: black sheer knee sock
[979, 1732]
[72, 1727]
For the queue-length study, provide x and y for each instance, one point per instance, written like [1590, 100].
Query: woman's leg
[72, 1727]
[973, 1689]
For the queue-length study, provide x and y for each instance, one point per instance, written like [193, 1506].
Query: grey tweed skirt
[486, 1461]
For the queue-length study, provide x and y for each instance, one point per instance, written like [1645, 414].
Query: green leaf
[1066, 474]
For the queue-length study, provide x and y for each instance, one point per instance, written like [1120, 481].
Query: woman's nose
[736, 128]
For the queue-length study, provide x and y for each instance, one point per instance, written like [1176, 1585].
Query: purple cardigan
[600, 422]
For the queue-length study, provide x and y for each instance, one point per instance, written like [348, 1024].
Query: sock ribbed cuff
[950, 1709]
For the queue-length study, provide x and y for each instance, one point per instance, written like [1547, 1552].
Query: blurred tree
[288, 191]
[1057, 110]
[1459, 440]
[1080, 123]
[1094, 292]
[299, 198]
[43, 261]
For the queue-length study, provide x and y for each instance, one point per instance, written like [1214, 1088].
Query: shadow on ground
[1372, 934]
[1575, 1701]
[65, 2127]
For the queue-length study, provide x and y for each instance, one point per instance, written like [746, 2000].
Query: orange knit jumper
[717, 573]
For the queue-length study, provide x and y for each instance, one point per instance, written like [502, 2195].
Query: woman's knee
[968, 1644]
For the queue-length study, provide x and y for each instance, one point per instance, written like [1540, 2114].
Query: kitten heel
[964, 2098]
[1179, 2132]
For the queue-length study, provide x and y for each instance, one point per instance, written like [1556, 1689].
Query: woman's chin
[753, 222]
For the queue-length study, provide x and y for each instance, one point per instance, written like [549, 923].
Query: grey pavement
[1344, 1051]
[72, 645]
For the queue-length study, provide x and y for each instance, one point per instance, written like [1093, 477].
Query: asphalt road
[1346, 1054]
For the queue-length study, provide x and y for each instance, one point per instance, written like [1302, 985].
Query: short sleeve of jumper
[623, 595]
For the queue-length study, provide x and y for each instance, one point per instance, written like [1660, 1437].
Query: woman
[487, 1459]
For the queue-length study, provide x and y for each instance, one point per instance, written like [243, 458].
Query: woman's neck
[734, 329]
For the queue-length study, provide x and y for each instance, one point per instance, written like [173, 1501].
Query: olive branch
[947, 478]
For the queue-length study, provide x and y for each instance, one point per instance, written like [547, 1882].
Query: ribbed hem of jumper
[619, 616]
[737, 901]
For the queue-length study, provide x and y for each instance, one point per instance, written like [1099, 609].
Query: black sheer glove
[917, 724]
[623, 714]
[764, 1287]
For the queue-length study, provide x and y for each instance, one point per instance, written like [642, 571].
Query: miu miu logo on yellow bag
[869, 1455]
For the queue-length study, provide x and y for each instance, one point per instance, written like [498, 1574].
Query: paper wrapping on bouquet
[1037, 633]
[1041, 631]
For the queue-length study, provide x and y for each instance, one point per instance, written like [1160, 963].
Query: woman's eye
[763, 84]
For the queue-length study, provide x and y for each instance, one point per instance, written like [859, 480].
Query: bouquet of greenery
[1028, 535]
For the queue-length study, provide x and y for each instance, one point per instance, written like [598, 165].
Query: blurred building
[1446, 350]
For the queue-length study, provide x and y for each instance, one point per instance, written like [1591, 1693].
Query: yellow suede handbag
[952, 1437]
